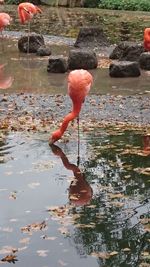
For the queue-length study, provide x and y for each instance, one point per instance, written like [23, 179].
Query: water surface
[57, 210]
[29, 74]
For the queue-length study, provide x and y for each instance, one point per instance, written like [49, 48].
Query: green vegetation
[92, 3]
[135, 5]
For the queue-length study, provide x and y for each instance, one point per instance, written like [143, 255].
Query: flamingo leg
[78, 157]
[2, 36]
[28, 45]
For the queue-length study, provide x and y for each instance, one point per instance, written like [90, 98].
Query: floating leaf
[8, 249]
[126, 249]
[102, 255]
[117, 204]
[119, 195]
[113, 253]
[42, 253]
[24, 240]
[49, 237]
[62, 263]
[7, 229]
[10, 258]
[34, 227]
[145, 171]
[33, 185]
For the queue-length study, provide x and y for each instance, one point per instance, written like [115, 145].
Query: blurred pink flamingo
[5, 20]
[5, 80]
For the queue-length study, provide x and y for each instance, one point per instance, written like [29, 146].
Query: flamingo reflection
[5, 79]
[146, 144]
[80, 192]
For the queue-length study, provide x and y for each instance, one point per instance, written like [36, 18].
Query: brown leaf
[10, 258]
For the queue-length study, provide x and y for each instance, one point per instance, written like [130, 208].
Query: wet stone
[144, 61]
[129, 51]
[30, 44]
[124, 69]
[81, 59]
[57, 65]
[43, 51]
[91, 37]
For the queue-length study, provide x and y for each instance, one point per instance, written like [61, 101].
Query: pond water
[71, 205]
[59, 211]
[29, 74]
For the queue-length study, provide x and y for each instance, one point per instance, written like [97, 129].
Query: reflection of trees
[3, 150]
[112, 164]
[108, 235]
[120, 201]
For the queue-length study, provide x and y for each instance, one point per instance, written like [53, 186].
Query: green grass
[134, 5]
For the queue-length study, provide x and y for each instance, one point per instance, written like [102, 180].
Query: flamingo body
[5, 80]
[4, 20]
[79, 83]
[147, 39]
[26, 11]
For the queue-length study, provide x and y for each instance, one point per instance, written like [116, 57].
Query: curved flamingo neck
[69, 166]
[71, 116]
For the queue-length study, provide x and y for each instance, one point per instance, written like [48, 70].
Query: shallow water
[59, 209]
[58, 213]
[29, 74]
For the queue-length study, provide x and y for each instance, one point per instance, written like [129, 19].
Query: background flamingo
[26, 12]
[79, 83]
[5, 20]
[147, 39]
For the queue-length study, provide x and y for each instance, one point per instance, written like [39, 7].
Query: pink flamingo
[26, 11]
[79, 84]
[147, 39]
[5, 20]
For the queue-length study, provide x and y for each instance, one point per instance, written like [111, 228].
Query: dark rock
[34, 41]
[43, 51]
[91, 37]
[124, 69]
[57, 65]
[129, 51]
[144, 61]
[79, 59]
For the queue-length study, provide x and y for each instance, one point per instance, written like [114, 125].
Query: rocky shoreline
[26, 112]
[21, 112]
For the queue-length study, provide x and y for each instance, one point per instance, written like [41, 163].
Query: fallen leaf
[42, 253]
[10, 258]
[113, 253]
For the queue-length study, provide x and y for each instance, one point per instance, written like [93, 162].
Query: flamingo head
[79, 84]
[55, 137]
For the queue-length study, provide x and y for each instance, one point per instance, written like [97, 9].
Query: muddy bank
[23, 112]
[117, 25]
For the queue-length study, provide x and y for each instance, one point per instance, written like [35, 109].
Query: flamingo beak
[26, 10]
[51, 142]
